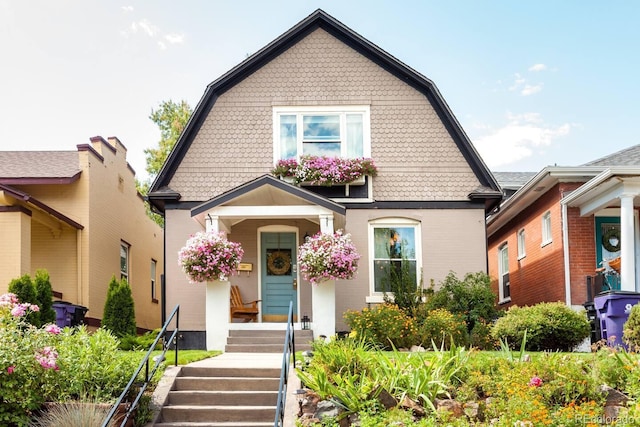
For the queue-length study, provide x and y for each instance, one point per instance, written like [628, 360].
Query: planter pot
[291, 180]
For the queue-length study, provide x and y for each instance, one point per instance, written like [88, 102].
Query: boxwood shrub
[549, 326]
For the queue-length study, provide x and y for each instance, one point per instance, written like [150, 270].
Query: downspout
[565, 249]
[79, 267]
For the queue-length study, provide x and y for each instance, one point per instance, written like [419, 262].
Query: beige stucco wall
[416, 157]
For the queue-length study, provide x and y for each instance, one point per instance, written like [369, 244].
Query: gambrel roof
[488, 189]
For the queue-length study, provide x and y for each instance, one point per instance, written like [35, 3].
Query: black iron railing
[148, 375]
[288, 357]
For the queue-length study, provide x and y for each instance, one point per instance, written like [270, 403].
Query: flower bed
[209, 256]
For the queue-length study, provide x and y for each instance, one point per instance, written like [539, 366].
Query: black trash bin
[613, 311]
[68, 314]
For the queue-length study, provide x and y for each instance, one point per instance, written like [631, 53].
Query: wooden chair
[239, 309]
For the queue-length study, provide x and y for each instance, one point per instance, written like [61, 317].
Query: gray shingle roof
[38, 164]
[627, 157]
[513, 180]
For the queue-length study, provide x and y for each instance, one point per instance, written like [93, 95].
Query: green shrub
[549, 326]
[631, 329]
[91, 367]
[119, 313]
[23, 288]
[471, 297]
[440, 328]
[385, 326]
[44, 297]
[480, 336]
[140, 342]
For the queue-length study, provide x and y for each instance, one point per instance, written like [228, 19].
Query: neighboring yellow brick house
[78, 215]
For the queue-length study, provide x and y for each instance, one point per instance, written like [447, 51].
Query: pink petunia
[53, 329]
[10, 369]
[535, 381]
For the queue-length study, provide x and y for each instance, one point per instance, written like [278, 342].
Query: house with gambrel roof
[320, 88]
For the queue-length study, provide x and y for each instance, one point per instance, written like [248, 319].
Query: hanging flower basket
[209, 256]
[323, 170]
[328, 257]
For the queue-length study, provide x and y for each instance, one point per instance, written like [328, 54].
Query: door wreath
[278, 263]
[611, 234]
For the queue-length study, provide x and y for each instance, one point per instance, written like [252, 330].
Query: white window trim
[305, 110]
[546, 229]
[522, 248]
[501, 297]
[154, 282]
[378, 297]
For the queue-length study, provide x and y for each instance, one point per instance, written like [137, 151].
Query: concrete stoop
[221, 396]
[265, 341]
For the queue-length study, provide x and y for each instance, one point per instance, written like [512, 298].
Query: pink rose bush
[209, 256]
[328, 257]
[323, 170]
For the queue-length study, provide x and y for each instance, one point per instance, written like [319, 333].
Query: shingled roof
[29, 167]
[627, 157]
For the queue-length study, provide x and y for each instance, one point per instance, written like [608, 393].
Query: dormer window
[321, 131]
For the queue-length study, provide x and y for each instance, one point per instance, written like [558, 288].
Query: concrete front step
[211, 398]
[265, 341]
[217, 413]
[226, 384]
[205, 371]
[261, 348]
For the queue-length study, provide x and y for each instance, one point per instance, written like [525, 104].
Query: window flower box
[325, 171]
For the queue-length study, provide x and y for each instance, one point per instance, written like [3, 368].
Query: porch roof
[605, 189]
[268, 197]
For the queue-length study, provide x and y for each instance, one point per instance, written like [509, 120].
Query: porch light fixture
[305, 322]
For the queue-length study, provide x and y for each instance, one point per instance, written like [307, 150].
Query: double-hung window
[395, 245]
[522, 249]
[321, 131]
[124, 261]
[546, 228]
[504, 283]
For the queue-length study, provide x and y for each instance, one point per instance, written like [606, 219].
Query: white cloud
[174, 38]
[523, 136]
[127, 8]
[162, 45]
[530, 90]
[538, 67]
[148, 28]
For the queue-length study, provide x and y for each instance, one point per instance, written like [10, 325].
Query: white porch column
[217, 314]
[627, 244]
[323, 303]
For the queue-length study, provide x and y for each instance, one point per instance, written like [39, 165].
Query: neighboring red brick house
[553, 233]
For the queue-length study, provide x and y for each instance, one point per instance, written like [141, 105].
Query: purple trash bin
[613, 310]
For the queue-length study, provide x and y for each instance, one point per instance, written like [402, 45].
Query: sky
[533, 83]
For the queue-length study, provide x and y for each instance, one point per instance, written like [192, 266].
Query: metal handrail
[288, 356]
[145, 364]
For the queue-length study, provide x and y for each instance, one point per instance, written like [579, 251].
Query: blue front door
[279, 284]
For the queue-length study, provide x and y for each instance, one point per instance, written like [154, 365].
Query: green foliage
[44, 296]
[631, 329]
[400, 280]
[91, 367]
[471, 297]
[549, 326]
[140, 342]
[119, 312]
[26, 292]
[480, 336]
[440, 327]
[385, 326]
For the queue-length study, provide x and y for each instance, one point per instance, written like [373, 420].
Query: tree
[119, 314]
[44, 296]
[171, 118]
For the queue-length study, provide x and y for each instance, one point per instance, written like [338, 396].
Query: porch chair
[239, 309]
